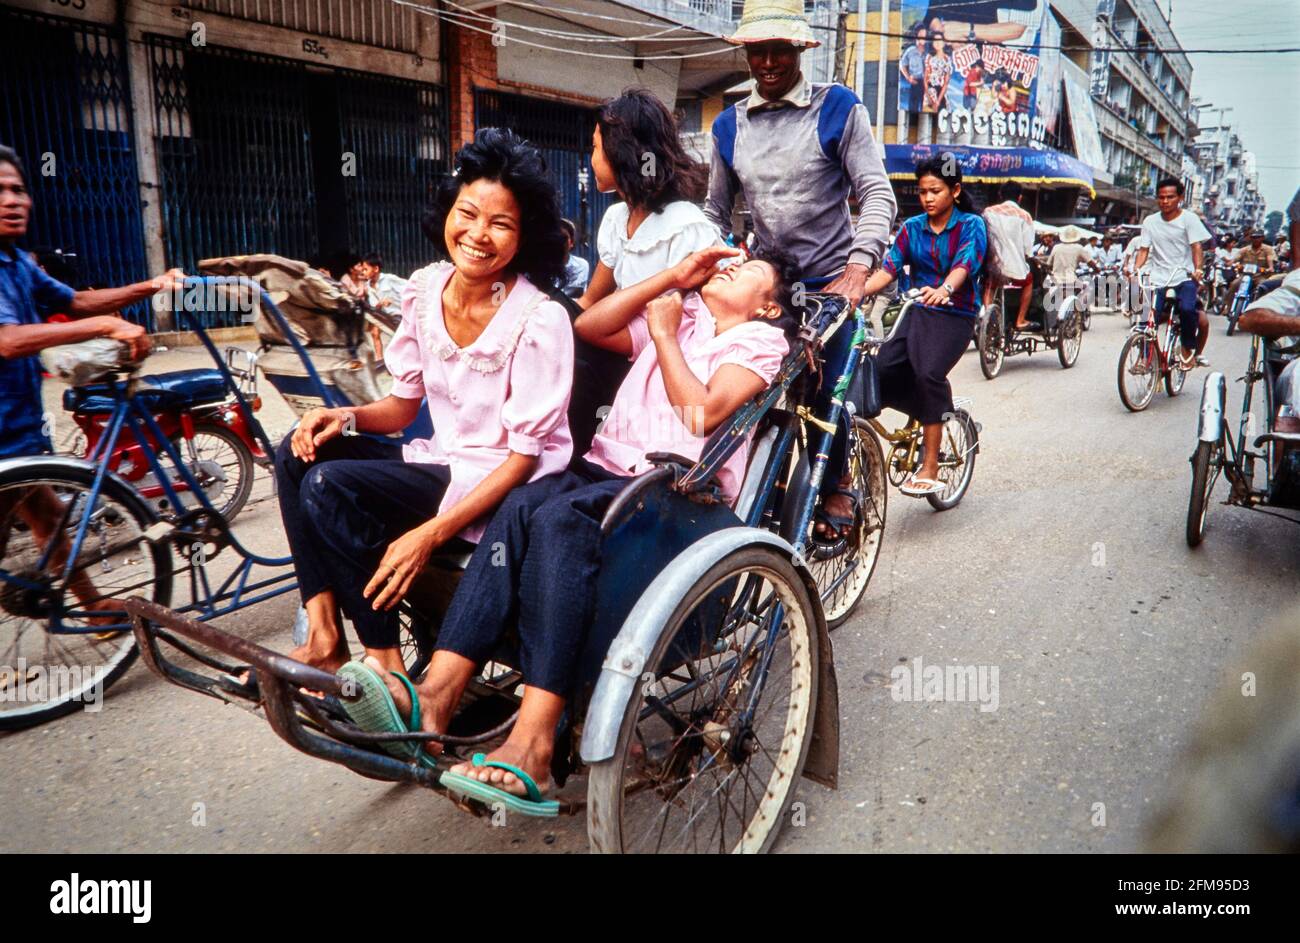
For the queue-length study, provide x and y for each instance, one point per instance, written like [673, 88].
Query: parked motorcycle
[203, 421]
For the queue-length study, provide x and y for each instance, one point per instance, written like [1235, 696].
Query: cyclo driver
[796, 149]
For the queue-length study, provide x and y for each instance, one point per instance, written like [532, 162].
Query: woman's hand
[698, 267]
[664, 315]
[403, 561]
[317, 427]
[935, 296]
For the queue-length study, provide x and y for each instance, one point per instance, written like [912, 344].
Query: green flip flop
[375, 711]
[469, 788]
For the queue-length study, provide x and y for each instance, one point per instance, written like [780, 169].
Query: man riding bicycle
[1173, 245]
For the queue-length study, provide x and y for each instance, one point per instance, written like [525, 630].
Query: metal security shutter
[65, 107]
[563, 134]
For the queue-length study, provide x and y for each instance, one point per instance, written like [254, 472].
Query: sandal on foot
[467, 787]
[841, 525]
[919, 487]
[375, 711]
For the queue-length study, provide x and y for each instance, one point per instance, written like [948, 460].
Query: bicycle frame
[237, 590]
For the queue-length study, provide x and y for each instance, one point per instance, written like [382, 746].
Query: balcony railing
[709, 16]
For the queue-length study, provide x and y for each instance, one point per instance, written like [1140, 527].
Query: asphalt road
[1064, 569]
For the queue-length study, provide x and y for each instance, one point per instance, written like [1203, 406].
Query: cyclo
[1060, 327]
[708, 683]
[1275, 364]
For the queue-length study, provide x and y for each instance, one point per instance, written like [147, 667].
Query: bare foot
[534, 759]
[328, 660]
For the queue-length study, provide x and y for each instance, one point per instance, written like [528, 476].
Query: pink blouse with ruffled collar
[508, 391]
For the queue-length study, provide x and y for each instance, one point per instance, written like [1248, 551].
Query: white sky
[1262, 90]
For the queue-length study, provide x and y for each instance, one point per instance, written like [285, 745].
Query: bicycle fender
[621, 672]
[67, 463]
[1212, 400]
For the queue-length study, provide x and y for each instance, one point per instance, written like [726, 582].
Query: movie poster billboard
[987, 71]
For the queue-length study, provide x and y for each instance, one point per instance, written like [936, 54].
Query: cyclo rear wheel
[1069, 333]
[842, 570]
[989, 342]
[115, 560]
[690, 772]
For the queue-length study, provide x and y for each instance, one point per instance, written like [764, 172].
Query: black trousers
[914, 363]
[342, 511]
[535, 570]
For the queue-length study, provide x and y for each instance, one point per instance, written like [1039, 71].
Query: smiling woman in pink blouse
[493, 357]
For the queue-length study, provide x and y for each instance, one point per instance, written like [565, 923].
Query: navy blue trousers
[535, 569]
[1185, 302]
[342, 511]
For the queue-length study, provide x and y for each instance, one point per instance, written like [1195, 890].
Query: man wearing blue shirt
[27, 297]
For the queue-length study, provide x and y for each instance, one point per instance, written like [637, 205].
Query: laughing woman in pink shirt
[493, 357]
[696, 358]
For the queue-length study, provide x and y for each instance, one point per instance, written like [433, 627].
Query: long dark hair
[651, 168]
[500, 155]
[947, 168]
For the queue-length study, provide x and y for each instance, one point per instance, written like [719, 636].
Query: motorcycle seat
[181, 389]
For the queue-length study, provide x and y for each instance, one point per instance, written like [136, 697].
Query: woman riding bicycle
[944, 251]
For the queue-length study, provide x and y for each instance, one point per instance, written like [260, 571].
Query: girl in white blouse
[636, 152]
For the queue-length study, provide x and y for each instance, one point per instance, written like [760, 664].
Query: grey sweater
[796, 165]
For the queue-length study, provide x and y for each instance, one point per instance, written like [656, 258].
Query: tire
[120, 517]
[1069, 336]
[1175, 375]
[641, 798]
[235, 459]
[960, 444]
[842, 588]
[1139, 348]
[1086, 319]
[1205, 473]
[1234, 313]
[988, 341]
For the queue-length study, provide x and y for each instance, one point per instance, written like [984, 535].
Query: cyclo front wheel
[717, 731]
[1206, 464]
[45, 674]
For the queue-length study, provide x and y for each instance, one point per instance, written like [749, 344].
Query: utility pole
[881, 75]
[860, 73]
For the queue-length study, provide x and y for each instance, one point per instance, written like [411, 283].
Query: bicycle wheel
[1069, 335]
[1138, 372]
[842, 570]
[956, 460]
[1207, 462]
[1175, 375]
[223, 466]
[717, 731]
[47, 674]
[988, 340]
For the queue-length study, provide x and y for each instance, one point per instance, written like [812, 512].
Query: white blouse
[660, 242]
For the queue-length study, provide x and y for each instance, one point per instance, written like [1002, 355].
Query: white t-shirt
[1170, 260]
[660, 242]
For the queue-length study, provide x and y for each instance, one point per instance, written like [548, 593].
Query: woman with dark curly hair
[636, 151]
[492, 355]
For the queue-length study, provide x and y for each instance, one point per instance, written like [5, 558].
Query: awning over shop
[994, 164]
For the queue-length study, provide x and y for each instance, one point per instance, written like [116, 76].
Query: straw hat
[1070, 234]
[766, 20]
